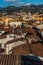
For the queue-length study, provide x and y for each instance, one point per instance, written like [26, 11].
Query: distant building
[15, 23]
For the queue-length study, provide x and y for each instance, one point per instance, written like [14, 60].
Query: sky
[5, 3]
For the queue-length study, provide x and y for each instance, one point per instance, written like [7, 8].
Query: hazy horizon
[19, 6]
[6, 3]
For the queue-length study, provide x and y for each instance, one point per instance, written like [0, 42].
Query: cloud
[20, 3]
[10, 0]
[15, 2]
[28, 4]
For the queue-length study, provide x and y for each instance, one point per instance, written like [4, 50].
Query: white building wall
[3, 46]
[15, 23]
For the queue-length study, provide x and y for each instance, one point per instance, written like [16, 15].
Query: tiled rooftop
[25, 49]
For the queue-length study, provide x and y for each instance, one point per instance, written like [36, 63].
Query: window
[0, 45]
